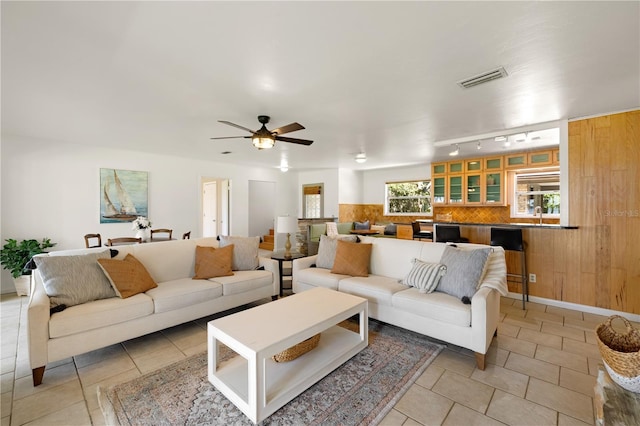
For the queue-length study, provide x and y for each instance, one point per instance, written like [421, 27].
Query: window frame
[428, 198]
[515, 193]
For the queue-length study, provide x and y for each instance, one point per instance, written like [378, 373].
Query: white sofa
[177, 299]
[436, 314]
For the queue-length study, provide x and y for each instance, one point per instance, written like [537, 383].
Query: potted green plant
[14, 257]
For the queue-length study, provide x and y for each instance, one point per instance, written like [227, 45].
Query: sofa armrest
[303, 263]
[38, 316]
[485, 314]
[271, 265]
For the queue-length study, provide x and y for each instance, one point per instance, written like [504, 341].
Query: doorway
[215, 207]
[262, 207]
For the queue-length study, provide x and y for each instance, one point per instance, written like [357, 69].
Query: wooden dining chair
[186, 235]
[88, 242]
[123, 240]
[169, 233]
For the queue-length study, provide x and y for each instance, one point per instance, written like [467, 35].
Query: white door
[209, 209]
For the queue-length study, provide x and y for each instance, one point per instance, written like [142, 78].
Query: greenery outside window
[411, 198]
[536, 189]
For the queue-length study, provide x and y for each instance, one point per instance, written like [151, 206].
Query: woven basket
[296, 350]
[621, 351]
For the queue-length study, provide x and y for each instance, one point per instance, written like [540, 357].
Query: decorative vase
[23, 285]
[145, 234]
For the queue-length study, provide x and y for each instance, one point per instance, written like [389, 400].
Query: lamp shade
[287, 225]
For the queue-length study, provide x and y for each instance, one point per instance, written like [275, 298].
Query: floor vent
[485, 77]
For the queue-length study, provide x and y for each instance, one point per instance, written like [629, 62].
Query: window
[537, 189]
[312, 201]
[408, 198]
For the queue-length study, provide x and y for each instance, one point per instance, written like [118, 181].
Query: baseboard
[577, 307]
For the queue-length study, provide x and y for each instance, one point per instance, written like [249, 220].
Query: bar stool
[449, 234]
[511, 239]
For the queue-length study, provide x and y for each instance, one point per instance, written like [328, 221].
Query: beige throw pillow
[245, 251]
[128, 277]
[352, 259]
[212, 262]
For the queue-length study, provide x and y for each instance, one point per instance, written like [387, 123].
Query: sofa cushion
[465, 268]
[167, 260]
[327, 250]
[352, 259]
[378, 228]
[376, 288]
[213, 262]
[390, 256]
[183, 292]
[243, 281]
[245, 251]
[316, 230]
[99, 314]
[390, 229]
[438, 306]
[424, 276]
[73, 280]
[128, 277]
[345, 227]
[361, 225]
[319, 277]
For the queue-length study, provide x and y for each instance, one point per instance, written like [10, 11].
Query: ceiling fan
[264, 138]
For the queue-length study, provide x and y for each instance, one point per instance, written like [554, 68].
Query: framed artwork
[123, 195]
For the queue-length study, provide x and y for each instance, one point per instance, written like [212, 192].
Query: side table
[280, 257]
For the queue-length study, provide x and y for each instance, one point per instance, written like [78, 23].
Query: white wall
[329, 177]
[350, 186]
[52, 189]
[374, 180]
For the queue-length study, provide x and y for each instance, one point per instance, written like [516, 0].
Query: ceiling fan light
[263, 142]
[361, 158]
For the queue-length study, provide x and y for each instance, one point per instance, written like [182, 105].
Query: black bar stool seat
[511, 239]
[449, 234]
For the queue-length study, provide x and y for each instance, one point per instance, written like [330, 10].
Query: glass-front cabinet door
[455, 189]
[438, 186]
[515, 160]
[493, 163]
[494, 188]
[473, 188]
[439, 169]
[455, 166]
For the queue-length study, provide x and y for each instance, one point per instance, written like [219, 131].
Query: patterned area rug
[360, 392]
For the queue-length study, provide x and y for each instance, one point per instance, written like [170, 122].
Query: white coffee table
[255, 383]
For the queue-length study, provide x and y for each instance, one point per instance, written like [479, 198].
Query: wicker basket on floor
[297, 350]
[620, 351]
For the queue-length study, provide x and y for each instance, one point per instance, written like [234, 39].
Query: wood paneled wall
[597, 264]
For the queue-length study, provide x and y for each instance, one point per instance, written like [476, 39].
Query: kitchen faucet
[538, 211]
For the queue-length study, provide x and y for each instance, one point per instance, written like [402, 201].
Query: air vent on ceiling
[485, 77]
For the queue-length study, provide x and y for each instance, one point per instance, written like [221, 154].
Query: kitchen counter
[505, 225]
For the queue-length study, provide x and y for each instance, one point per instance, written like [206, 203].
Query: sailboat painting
[123, 195]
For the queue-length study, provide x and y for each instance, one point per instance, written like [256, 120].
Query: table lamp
[287, 225]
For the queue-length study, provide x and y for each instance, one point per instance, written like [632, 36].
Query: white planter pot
[23, 285]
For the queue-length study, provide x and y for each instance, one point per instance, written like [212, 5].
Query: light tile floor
[541, 370]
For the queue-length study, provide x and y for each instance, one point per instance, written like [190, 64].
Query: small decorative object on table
[142, 226]
[297, 350]
[620, 353]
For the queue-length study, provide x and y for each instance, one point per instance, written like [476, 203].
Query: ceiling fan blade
[287, 129]
[235, 125]
[233, 137]
[294, 140]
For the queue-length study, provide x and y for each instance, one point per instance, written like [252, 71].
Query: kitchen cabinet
[455, 167]
[438, 169]
[454, 189]
[493, 163]
[539, 158]
[556, 156]
[404, 231]
[473, 165]
[514, 161]
[439, 190]
[494, 184]
[473, 188]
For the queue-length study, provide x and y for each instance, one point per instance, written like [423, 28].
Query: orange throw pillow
[212, 262]
[128, 277]
[352, 259]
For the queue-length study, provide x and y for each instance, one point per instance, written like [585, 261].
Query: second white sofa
[438, 315]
